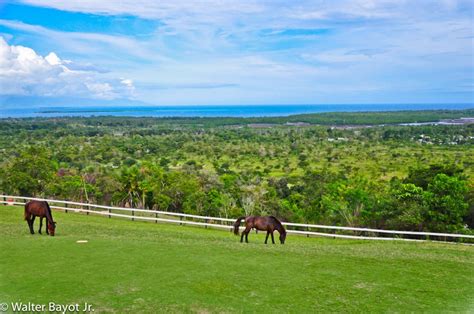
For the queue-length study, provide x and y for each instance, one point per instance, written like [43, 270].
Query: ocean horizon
[215, 110]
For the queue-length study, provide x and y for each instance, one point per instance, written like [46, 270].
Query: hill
[133, 266]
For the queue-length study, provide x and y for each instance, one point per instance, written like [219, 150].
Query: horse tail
[27, 214]
[237, 225]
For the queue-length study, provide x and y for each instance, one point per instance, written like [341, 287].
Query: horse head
[282, 237]
[51, 228]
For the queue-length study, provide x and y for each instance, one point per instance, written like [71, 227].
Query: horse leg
[266, 238]
[31, 222]
[242, 236]
[41, 225]
[273, 240]
[246, 234]
[30, 225]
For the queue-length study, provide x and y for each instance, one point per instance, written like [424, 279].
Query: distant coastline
[337, 119]
[215, 110]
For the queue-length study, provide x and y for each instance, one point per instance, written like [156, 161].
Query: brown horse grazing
[267, 223]
[42, 210]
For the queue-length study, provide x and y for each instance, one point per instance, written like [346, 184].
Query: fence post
[65, 205]
[307, 229]
[133, 214]
[181, 218]
[206, 221]
[109, 212]
[5, 201]
[156, 216]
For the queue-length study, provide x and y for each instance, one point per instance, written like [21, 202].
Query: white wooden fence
[226, 223]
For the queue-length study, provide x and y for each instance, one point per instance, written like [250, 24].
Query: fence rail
[226, 223]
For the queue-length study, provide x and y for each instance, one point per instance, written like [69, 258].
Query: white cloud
[337, 57]
[24, 72]
[222, 12]
[389, 46]
[154, 9]
[128, 84]
[87, 42]
[53, 59]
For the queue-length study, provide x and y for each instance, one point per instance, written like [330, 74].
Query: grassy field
[137, 266]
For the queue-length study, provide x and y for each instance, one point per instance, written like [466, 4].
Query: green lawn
[140, 266]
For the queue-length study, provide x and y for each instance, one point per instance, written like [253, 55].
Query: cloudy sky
[239, 52]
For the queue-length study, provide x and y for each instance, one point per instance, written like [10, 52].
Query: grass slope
[137, 266]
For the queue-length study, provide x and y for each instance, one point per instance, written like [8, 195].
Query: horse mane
[278, 223]
[49, 215]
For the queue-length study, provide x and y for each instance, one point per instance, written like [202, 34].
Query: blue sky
[239, 52]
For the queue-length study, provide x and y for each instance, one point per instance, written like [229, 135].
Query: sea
[213, 110]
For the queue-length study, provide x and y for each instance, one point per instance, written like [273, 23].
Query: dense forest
[351, 169]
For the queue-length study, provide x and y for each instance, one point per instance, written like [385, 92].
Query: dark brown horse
[267, 223]
[42, 210]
